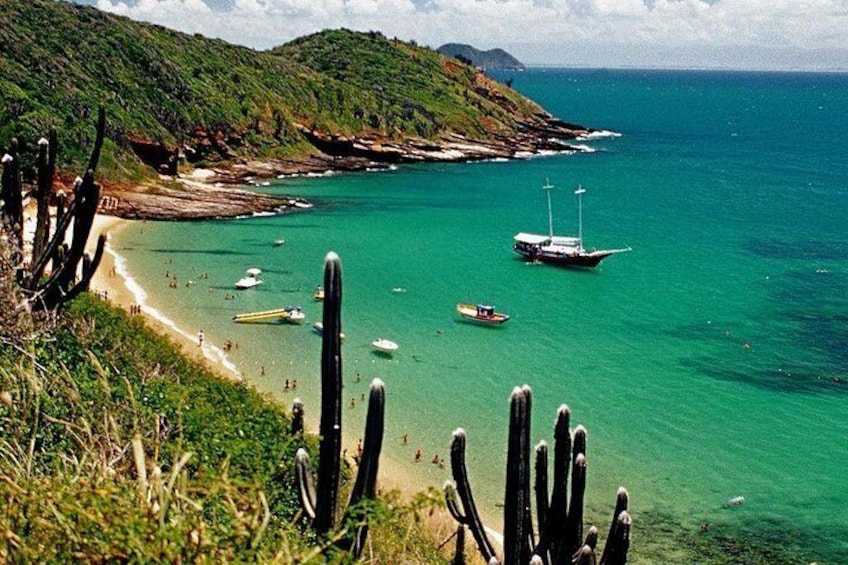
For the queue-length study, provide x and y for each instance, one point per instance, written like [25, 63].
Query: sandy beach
[113, 281]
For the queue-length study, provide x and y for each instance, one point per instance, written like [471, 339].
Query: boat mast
[579, 192]
[547, 188]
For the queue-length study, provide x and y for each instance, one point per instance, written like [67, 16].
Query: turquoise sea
[709, 363]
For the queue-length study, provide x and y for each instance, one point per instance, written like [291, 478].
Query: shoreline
[113, 282]
[220, 192]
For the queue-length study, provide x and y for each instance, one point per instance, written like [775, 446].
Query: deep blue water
[708, 363]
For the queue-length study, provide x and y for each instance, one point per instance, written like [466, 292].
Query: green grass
[217, 454]
[116, 447]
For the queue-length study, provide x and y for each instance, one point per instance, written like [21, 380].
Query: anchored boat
[384, 346]
[566, 251]
[481, 314]
[249, 280]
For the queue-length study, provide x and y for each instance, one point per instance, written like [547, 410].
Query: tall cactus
[559, 518]
[62, 284]
[320, 505]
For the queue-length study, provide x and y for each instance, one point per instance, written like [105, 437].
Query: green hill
[493, 59]
[335, 93]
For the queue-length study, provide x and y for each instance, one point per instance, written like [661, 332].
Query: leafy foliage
[75, 404]
[58, 61]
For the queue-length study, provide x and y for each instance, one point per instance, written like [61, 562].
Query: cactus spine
[560, 518]
[62, 284]
[320, 505]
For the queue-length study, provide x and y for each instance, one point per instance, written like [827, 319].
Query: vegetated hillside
[491, 59]
[414, 91]
[166, 91]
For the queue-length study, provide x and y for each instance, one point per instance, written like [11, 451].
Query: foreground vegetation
[117, 447]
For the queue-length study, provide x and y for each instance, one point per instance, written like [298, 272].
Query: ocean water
[711, 362]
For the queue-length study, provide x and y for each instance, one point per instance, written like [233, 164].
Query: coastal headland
[190, 119]
[219, 191]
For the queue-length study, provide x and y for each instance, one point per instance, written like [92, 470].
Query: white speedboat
[385, 346]
[249, 280]
[318, 294]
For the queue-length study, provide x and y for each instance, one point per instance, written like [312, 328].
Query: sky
[713, 34]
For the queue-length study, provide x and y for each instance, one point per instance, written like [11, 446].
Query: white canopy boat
[249, 280]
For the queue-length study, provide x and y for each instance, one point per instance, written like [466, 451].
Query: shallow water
[708, 363]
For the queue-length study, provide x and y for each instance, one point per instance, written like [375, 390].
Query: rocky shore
[219, 191]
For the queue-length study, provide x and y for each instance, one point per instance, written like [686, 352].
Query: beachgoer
[404, 439]
[262, 370]
[200, 338]
[418, 454]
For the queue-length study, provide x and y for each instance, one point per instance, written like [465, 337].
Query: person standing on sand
[200, 338]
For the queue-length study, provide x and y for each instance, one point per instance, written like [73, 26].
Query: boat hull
[384, 346]
[563, 259]
[469, 312]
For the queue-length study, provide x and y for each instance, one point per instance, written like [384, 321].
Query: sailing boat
[567, 251]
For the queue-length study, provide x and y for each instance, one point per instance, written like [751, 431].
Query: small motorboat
[294, 315]
[249, 280]
[385, 346]
[279, 242]
[318, 328]
[319, 293]
[481, 314]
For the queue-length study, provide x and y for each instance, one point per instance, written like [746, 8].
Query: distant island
[493, 59]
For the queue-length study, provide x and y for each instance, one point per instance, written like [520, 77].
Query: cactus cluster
[559, 518]
[47, 292]
[320, 504]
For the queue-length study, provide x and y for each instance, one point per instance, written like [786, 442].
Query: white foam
[585, 148]
[598, 135]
